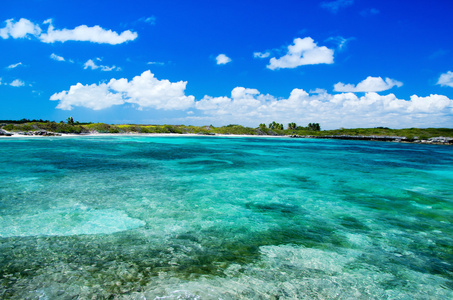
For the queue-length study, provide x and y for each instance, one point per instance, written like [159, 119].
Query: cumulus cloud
[17, 83]
[250, 107]
[370, 84]
[90, 64]
[145, 91]
[446, 79]
[318, 91]
[94, 96]
[56, 57]
[334, 6]
[14, 65]
[20, 29]
[96, 34]
[303, 52]
[243, 100]
[222, 59]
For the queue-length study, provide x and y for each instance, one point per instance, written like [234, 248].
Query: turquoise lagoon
[132, 217]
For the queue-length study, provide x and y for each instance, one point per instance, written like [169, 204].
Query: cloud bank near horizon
[370, 84]
[250, 107]
[143, 91]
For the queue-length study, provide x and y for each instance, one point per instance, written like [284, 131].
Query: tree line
[292, 126]
[23, 121]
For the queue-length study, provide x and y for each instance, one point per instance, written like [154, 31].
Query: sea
[201, 217]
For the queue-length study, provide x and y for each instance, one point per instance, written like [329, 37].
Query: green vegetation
[22, 121]
[314, 126]
[47, 126]
[275, 125]
[274, 128]
[420, 133]
[70, 121]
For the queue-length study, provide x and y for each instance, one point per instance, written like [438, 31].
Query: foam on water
[224, 218]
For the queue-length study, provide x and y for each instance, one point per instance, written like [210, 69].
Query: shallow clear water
[230, 218]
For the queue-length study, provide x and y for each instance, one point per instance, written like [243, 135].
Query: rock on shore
[5, 133]
[434, 140]
[30, 133]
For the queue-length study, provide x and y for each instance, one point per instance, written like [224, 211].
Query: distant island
[27, 127]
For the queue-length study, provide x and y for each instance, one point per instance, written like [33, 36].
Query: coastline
[26, 128]
[394, 139]
[16, 135]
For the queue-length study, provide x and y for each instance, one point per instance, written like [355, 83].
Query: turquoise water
[224, 218]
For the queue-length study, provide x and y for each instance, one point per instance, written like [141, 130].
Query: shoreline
[394, 139]
[15, 135]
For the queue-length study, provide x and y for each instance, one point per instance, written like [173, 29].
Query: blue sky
[342, 63]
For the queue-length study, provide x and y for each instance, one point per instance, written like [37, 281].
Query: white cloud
[14, 65]
[90, 64]
[243, 101]
[261, 54]
[145, 90]
[155, 63]
[107, 68]
[19, 29]
[56, 57]
[303, 52]
[222, 59]
[446, 79]
[17, 83]
[96, 34]
[93, 96]
[370, 84]
[432, 103]
[318, 91]
[334, 6]
[249, 107]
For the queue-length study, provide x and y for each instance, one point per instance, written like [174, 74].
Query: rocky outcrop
[40, 133]
[5, 133]
[399, 139]
[356, 137]
[440, 140]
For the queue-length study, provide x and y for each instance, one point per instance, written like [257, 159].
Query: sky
[340, 63]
